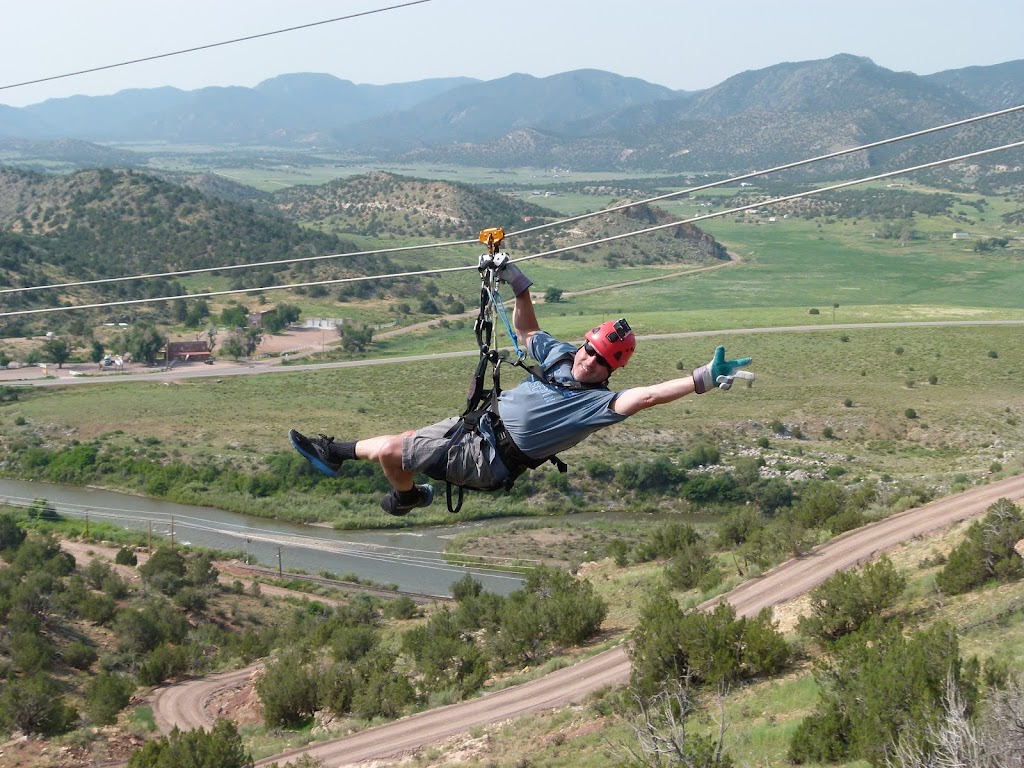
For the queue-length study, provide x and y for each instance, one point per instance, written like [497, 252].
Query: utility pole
[87, 524]
[149, 541]
[280, 575]
[172, 531]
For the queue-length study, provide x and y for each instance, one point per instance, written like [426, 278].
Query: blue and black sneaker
[318, 450]
[399, 504]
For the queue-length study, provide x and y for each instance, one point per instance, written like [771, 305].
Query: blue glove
[508, 272]
[720, 373]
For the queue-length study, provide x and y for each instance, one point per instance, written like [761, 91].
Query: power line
[763, 203]
[211, 45]
[549, 225]
[421, 558]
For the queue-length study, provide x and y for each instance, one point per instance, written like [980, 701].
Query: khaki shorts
[466, 458]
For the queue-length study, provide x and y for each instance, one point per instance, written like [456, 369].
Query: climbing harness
[481, 400]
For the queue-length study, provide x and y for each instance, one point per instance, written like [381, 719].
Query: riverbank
[409, 560]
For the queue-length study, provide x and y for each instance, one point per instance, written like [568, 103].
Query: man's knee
[391, 450]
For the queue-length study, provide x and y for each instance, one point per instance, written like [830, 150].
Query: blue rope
[499, 307]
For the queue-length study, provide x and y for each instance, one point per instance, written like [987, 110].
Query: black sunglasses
[595, 354]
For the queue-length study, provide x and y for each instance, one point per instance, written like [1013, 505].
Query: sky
[675, 43]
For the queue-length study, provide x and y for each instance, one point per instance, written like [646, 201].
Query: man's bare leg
[386, 450]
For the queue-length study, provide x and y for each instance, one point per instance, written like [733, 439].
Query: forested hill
[104, 223]
[388, 205]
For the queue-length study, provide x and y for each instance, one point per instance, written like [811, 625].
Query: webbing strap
[448, 493]
[499, 308]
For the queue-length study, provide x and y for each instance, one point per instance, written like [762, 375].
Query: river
[410, 559]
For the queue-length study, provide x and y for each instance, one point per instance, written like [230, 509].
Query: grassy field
[855, 384]
[847, 399]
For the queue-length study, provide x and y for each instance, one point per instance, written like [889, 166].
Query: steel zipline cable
[611, 238]
[548, 225]
[207, 46]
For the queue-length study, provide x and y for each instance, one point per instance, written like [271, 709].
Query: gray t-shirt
[544, 419]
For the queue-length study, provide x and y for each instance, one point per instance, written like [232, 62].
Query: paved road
[184, 704]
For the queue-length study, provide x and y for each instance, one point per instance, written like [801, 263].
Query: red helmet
[614, 341]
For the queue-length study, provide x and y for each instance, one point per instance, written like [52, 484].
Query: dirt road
[611, 667]
[187, 704]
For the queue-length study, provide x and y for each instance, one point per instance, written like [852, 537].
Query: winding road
[186, 704]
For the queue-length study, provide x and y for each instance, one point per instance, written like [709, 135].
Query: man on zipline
[564, 401]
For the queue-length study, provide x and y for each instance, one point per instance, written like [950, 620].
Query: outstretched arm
[719, 373]
[523, 316]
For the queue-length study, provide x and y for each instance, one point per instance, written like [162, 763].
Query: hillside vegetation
[105, 223]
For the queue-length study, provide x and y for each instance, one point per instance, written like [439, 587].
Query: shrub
[701, 455]
[11, 536]
[403, 607]
[221, 747]
[165, 570]
[165, 662]
[910, 413]
[351, 643]
[618, 551]
[708, 648]
[466, 587]
[844, 601]
[378, 689]
[987, 551]
[657, 475]
[106, 695]
[34, 705]
[818, 502]
[690, 565]
[288, 691]
[878, 686]
[79, 655]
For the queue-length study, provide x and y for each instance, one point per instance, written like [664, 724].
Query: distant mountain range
[586, 120]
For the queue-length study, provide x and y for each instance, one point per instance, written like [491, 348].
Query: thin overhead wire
[229, 267]
[377, 552]
[207, 46]
[548, 225]
[611, 238]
